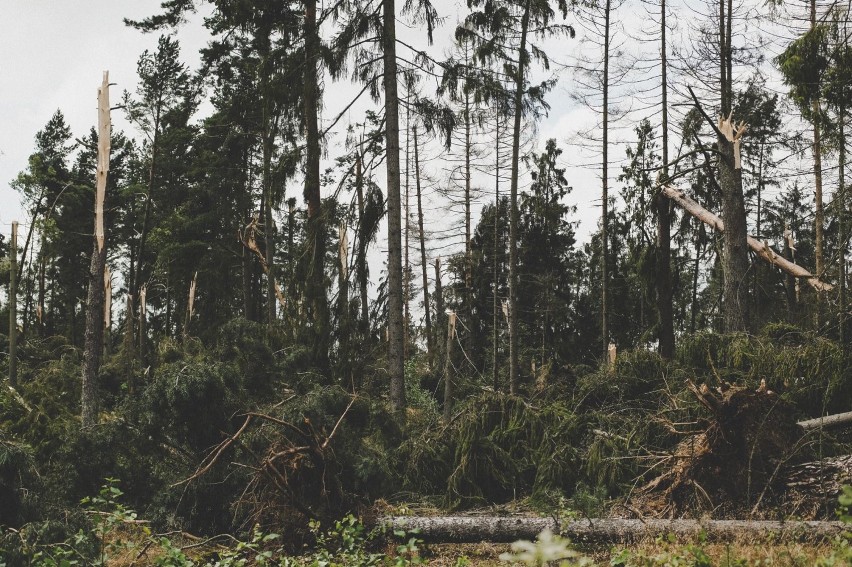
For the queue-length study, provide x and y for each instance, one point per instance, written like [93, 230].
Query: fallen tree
[762, 249]
[828, 421]
[469, 529]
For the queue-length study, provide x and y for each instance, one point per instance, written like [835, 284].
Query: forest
[333, 299]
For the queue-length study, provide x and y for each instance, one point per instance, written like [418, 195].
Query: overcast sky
[52, 54]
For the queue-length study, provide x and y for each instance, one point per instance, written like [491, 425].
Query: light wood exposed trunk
[93, 345]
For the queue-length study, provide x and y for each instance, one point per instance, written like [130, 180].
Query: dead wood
[467, 529]
[762, 249]
[736, 464]
[828, 421]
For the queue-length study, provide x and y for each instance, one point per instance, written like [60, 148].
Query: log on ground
[501, 529]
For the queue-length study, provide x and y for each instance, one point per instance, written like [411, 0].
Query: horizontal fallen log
[762, 249]
[502, 529]
[828, 421]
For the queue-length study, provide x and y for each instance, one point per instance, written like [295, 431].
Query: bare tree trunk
[361, 261]
[13, 306]
[513, 205]
[427, 308]
[605, 193]
[396, 362]
[495, 323]
[819, 212]
[457, 529]
[760, 248]
[841, 216]
[268, 230]
[439, 294]
[448, 366]
[316, 229]
[93, 347]
[406, 270]
[664, 272]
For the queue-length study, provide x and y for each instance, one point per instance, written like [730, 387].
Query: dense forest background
[419, 295]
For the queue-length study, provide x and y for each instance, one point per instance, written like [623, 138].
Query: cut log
[499, 529]
[829, 421]
[762, 249]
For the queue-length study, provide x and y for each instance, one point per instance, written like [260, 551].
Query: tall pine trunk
[395, 329]
[426, 307]
[735, 247]
[316, 230]
[93, 346]
[605, 192]
[664, 208]
[513, 204]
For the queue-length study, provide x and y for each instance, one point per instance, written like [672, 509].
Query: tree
[165, 91]
[503, 31]
[93, 347]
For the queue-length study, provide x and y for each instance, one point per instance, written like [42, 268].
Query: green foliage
[547, 548]
[808, 370]
[499, 448]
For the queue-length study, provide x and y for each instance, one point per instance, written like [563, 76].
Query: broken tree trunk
[762, 249]
[93, 346]
[465, 529]
[829, 421]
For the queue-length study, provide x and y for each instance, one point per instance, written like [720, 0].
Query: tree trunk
[439, 295]
[448, 366]
[499, 529]
[316, 231]
[13, 306]
[664, 273]
[760, 248]
[268, 230]
[396, 362]
[819, 213]
[406, 269]
[426, 307]
[93, 346]
[841, 221]
[495, 323]
[361, 261]
[605, 192]
[513, 205]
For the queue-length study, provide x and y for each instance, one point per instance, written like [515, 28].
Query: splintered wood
[247, 238]
[762, 249]
[733, 133]
[103, 158]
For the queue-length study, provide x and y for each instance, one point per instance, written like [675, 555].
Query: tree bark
[498, 529]
[664, 274]
[93, 346]
[513, 204]
[13, 307]
[448, 366]
[829, 421]
[361, 261]
[316, 230]
[760, 248]
[605, 192]
[495, 323]
[426, 307]
[396, 363]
